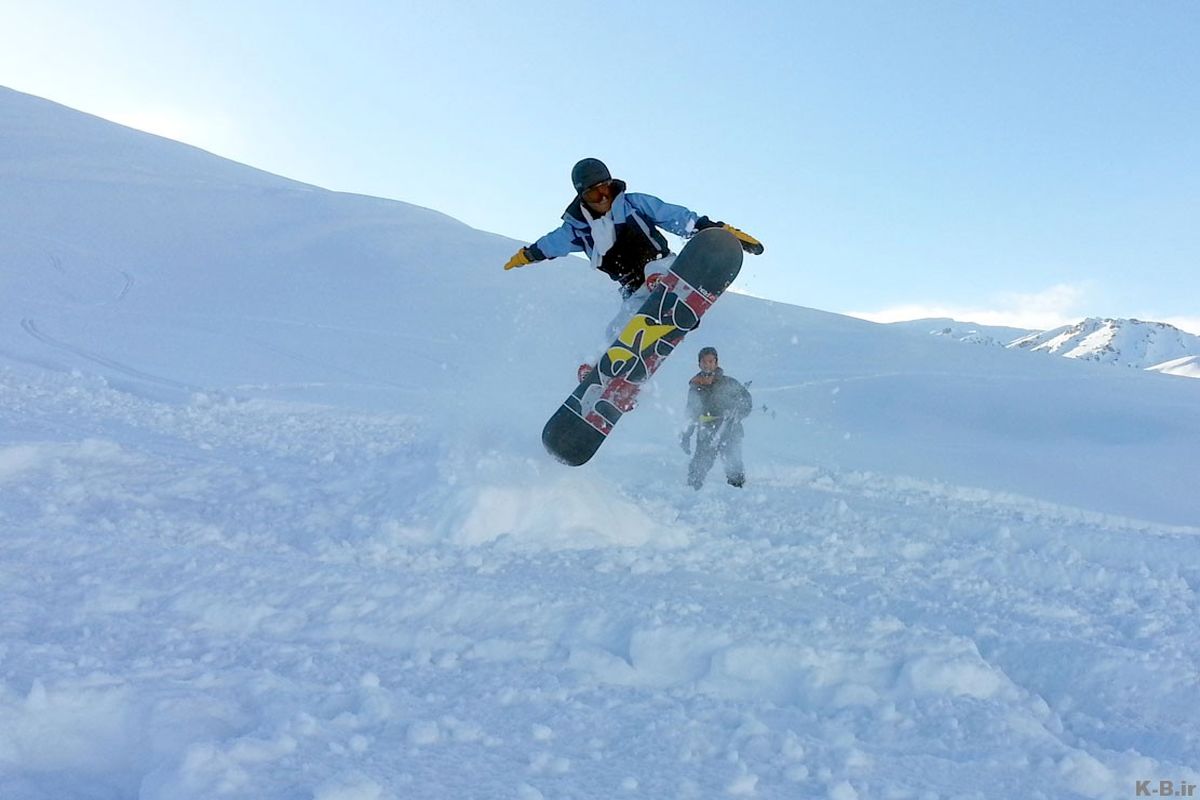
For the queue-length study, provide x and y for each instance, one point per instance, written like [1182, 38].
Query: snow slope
[1187, 366]
[275, 523]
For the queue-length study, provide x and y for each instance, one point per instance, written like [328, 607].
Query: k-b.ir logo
[1164, 789]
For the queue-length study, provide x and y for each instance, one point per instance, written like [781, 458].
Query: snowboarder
[716, 406]
[618, 232]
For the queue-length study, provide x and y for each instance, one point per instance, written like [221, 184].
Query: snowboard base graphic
[702, 271]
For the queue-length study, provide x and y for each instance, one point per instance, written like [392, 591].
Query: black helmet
[587, 173]
[707, 351]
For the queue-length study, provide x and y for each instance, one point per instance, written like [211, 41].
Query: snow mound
[571, 512]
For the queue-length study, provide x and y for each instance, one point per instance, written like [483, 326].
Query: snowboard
[704, 268]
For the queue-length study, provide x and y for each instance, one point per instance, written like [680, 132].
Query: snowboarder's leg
[731, 455]
[704, 458]
[625, 313]
[634, 301]
[657, 268]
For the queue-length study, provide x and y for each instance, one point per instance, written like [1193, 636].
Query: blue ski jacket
[636, 218]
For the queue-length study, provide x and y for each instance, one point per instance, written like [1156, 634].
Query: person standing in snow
[618, 231]
[716, 406]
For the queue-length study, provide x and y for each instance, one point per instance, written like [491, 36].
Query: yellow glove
[520, 259]
[749, 243]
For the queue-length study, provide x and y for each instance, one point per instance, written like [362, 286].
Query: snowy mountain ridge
[969, 332]
[1125, 342]
[1153, 346]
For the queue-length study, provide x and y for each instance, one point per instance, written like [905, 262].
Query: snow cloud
[211, 131]
[1189, 324]
[1054, 306]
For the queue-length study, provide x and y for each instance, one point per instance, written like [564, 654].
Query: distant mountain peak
[1133, 343]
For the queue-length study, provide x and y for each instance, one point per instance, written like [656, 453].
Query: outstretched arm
[558, 242]
[678, 220]
[749, 243]
[684, 222]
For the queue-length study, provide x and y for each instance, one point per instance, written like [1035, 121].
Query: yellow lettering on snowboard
[638, 336]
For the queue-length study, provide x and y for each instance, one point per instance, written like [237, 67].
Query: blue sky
[1007, 163]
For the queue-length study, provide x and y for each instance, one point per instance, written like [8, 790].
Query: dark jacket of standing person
[716, 406]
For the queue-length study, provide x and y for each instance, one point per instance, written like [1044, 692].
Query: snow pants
[724, 440]
[632, 303]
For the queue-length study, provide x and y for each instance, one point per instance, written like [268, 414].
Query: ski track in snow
[31, 328]
[238, 590]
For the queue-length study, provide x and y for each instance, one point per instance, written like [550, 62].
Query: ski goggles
[594, 194]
